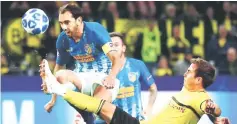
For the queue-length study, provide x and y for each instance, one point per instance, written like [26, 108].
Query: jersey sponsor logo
[177, 107]
[84, 58]
[186, 106]
[121, 96]
[125, 92]
[132, 76]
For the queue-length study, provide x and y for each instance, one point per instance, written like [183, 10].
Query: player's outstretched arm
[152, 99]
[147, 78]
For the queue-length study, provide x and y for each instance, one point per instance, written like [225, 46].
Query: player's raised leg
[82, 101]
[51, 82]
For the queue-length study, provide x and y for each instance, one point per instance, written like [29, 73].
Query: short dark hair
[117, 34]
[204, 70]
[72, 8]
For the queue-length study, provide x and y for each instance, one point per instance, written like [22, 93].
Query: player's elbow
[113, 56]
[153, 88]
[217, 112]
[61, 76]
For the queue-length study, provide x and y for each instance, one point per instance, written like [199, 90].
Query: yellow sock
[84, 102]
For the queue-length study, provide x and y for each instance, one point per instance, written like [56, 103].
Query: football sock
[84, 102]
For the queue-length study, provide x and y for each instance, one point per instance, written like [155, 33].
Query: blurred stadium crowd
[165, 35]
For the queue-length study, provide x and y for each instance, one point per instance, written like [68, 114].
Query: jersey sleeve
[200, 102]
[146, 76]
[63, 56]
[102, 38]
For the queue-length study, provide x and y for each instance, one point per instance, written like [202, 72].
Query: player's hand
[42, 74]
[44, 87]
[79, 119]
[222, 120]
[210, 107]
[109, 82]
[49, 106]
[42, 71]
[146, 113]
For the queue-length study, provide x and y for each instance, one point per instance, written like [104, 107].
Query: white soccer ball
[35, 21]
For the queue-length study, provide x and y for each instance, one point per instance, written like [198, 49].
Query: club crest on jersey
[132, 76]
[88, 48]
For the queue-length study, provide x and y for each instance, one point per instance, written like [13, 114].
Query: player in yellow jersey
[186, 107]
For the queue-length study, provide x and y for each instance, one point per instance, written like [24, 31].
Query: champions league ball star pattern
[35, 21]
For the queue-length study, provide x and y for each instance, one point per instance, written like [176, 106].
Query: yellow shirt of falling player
[187, 106]
[183, 108]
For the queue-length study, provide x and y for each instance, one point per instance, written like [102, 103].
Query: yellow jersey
[183, 108]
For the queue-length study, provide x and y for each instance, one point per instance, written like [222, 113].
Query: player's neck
[79, 33]
[123, 59]
[195, 89]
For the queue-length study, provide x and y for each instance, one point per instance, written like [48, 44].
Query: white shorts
[91, 80]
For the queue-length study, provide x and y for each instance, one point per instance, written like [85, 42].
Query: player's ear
[199, 79]
[79, 20]
[124, 48]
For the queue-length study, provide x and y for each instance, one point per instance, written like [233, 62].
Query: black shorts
[122, 117]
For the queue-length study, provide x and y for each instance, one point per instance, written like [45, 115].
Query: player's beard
[75, 33]
[68, 33]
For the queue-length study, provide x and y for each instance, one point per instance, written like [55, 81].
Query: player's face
[190, 76]
[68, 23]
[118, 45]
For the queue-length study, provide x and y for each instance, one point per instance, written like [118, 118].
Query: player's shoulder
[135, 61]
[205, 95]
[93, 26]
[62, 34]
[62, 37]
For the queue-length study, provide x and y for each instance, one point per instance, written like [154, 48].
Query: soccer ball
[35, 21]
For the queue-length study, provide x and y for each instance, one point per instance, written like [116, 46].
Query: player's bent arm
[217, 111]
[152, 97]
[116, 64]
[210, 107]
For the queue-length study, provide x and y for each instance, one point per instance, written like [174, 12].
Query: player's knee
[102, 93]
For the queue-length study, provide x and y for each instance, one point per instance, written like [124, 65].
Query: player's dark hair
[204, 70]
[117, 34]
[72, 8]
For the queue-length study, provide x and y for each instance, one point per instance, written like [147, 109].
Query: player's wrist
[112, 76]
[52, 102]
